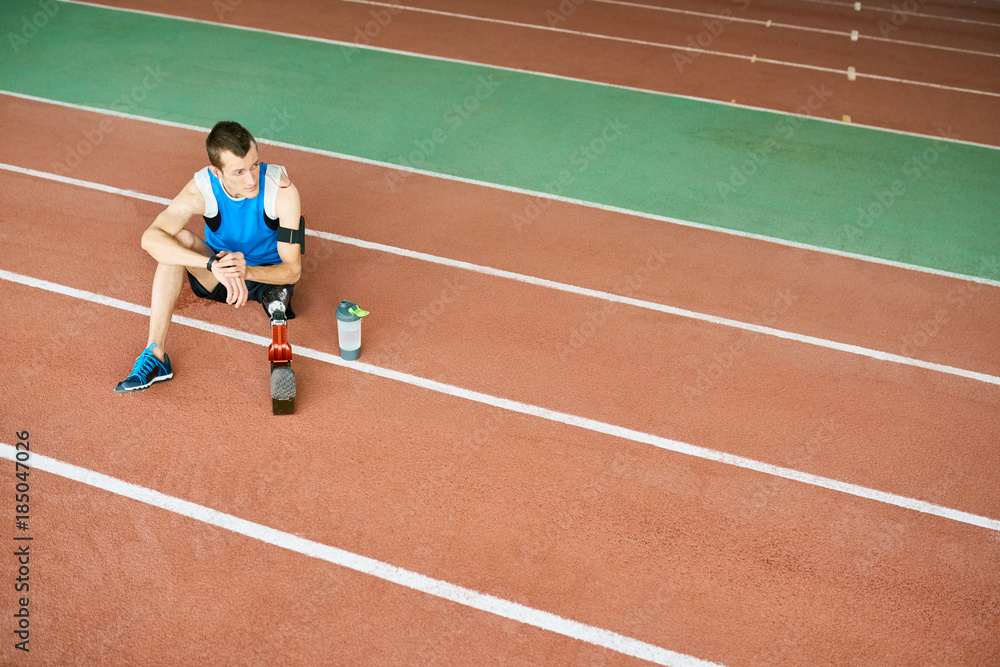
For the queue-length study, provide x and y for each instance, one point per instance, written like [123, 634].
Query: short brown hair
[227, 135]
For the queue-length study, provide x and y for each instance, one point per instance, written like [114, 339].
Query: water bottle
[349, 329]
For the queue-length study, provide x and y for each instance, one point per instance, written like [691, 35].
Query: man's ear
[218, 174]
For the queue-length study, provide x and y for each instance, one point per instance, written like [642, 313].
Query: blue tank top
[242, 225]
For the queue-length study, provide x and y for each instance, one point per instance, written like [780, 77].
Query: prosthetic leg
[280, 353]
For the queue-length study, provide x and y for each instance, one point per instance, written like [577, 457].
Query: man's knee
[186, 239]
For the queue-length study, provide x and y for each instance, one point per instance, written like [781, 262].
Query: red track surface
[886, 104]
[714, 561]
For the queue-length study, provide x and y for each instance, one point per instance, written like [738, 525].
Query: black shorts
[255, 291]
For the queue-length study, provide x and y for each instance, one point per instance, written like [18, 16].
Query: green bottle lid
[348, 311]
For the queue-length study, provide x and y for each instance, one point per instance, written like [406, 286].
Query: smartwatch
[211, 260]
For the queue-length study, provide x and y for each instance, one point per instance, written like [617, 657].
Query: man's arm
[289, 209]
[160, 239]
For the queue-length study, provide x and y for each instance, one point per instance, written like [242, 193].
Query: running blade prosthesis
[280, 355]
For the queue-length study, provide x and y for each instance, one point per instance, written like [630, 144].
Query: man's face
[240, 175]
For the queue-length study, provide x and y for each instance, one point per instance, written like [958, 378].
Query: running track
[699, 557]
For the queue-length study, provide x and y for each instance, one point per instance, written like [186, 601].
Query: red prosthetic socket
[280, 350]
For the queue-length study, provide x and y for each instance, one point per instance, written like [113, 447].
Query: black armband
[286, 235]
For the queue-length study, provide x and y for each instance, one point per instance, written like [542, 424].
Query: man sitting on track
[249, 251]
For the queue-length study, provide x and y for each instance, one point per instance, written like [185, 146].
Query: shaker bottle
[349, 329]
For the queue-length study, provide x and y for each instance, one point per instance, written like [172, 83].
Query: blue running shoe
[147, 370]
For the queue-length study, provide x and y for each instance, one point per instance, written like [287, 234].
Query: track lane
[796, 48]
[569, 521]
[106, 566]
[869, 102]
[434, 327]
[899, 311]
[969, 603]
[956, 26]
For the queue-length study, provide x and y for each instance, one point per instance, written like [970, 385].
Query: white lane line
[573, 289]
[940, 86]
[506, 188]
[671, 310]
[789, 26]
[585, 423]
[583, 291]
[414, 54]
[59, 178]
[418, 582]
[955, 49]
[676, 47]
[868, 7]
[565, 31]
[723, 17]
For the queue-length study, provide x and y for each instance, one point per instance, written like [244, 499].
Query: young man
[251, 248]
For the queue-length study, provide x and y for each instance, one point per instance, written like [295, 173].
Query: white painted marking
[585, 423]
[676, 47]
[726, 18]
[938, 47]
[789, 26]
[851, 74]
[414, 54]
[59, 178]
[890, 10]
[612, 38]
[538, 195]
[663, 308]
[573, 289]
[929, 85]
[418, 582]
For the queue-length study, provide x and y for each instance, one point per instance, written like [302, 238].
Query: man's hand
[230, 270]
[231, 264]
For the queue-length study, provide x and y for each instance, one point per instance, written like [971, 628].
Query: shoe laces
[146, 362]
